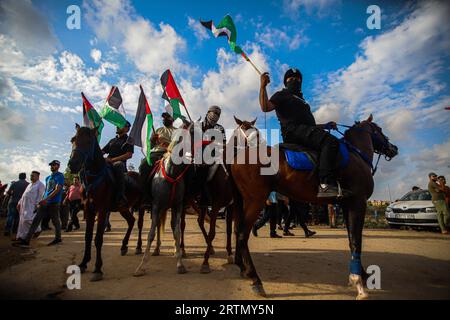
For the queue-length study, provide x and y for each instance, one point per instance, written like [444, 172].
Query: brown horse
[87, 159]
[222, 196]
[220, 189]
[252, 189]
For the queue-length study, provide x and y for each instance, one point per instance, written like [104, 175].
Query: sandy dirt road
[414, 265]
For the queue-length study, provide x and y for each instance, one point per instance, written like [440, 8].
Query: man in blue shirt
[270, 214]
[49, 205]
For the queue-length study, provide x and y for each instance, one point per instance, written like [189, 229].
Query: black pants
[50, 211]
[75, 206]
[300, 210]
[119, 169]
[321, 141]
[270, 214]
[64, 213]
[283, 211]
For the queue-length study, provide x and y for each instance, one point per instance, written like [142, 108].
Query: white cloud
[20, 20]
[395, 76]
[66, 72]
[20, 159]
[12, 124]
[96, 55]
[151, 48]
[200, 32]
[396, 73]
[330, 112]
[234, 87]
[274, 38]
[317, 7]
[436, 158]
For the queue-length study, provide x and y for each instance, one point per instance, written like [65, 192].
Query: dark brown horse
[221, 197]
[87, 159]
[220, 190]
[252, 189]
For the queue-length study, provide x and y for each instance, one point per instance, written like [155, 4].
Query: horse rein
[361, 153]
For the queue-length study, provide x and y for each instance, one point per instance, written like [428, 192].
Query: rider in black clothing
[119, 151]
[299, 126]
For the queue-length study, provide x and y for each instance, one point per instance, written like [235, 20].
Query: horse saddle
[304, 159]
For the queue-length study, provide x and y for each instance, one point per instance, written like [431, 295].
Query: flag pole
[142, 89]
[187, 113]
[251, 62]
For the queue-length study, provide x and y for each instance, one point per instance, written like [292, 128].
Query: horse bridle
[375, 140]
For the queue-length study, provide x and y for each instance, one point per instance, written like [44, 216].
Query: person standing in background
[28, 204]
[49, 205]
[438, 199]
[73, 198]
[15, 191]
[270, 214]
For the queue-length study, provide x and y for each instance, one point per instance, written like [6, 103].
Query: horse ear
[254, 121]
[77, 126]
[239, 122]
[370, 118]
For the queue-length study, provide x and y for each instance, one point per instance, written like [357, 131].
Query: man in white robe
[27, 205]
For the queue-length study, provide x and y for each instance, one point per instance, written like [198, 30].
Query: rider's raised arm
[265, 103]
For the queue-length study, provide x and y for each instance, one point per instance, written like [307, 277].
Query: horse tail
[162, 222]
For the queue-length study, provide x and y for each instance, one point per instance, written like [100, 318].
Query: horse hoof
[205, 268]
[156, 252]
[97, 276]
[259, 290]
[139, 273]
[138, 251]
[362, 296]
[181, 270]
[82, 268]
[212, 251]
[230, 260]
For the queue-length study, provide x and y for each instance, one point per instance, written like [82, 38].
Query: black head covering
[292, 72]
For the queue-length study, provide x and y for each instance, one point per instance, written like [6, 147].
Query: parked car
[413, 209]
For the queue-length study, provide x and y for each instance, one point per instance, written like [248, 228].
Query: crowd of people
[32, 205]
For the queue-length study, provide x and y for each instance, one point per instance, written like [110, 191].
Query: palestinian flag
[111, 110]
[171, 93]
[91, 118]
[142, 127]
[226, 28]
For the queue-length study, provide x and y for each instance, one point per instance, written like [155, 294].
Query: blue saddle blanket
[300, 160]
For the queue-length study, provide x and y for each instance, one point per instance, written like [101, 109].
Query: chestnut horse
[220, 189]
[87, 159]
[251, 189]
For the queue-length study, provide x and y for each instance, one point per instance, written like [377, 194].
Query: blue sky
[399, 73]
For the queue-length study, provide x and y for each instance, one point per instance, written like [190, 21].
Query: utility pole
[389, 190]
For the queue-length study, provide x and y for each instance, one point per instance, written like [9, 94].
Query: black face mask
[294, 86]
[167, 123]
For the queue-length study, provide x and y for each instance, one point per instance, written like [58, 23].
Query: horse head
[83, 147]
[248, 131]
[380, 141]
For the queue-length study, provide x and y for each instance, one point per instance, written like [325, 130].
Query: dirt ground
[414, 265]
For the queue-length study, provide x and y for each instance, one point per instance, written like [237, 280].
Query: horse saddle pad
[304, 159]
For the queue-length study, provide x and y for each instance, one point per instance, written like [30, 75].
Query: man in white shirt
[27, 205]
